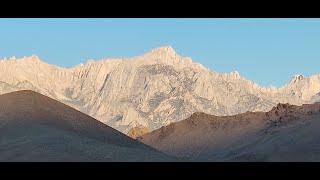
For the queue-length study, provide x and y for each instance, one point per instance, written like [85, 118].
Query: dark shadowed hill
[286, 133]
[34, 127]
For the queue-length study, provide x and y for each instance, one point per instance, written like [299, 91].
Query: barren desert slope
[34, 127]
[286, 133]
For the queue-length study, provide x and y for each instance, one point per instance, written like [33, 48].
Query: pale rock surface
[151, 90]
[138, 131]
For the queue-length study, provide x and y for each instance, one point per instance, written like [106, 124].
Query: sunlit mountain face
[143, 93]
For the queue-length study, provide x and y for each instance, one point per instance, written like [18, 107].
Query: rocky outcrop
[152, 90]
[138, 131]
[286, 133]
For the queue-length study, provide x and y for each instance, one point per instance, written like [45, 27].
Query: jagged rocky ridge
[151, 90]
[285, 133]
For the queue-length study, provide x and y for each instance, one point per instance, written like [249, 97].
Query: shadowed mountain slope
[286, 133]
[34, 127]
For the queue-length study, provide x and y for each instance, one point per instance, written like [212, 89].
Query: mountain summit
[167, 50]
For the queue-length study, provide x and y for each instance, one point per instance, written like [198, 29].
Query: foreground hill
[151, 90]
[286, 133]
[34, 127]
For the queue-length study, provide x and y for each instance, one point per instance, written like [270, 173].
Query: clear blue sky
[267, 51]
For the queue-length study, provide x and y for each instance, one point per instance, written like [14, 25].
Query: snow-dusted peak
[12, 58]
[164, 50]
[33, 58]
[297, 78]
[235, 75]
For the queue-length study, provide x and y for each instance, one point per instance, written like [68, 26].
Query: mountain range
[140, 94]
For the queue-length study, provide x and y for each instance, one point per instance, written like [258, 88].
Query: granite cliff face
[151, 90]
